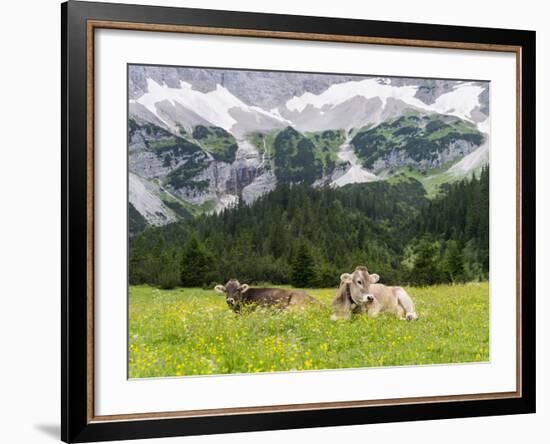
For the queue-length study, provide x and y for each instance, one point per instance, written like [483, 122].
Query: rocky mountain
[201, 140]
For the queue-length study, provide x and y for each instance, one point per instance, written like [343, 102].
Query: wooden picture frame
[79, 22]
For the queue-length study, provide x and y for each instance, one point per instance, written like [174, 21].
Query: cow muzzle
[367, 297]
[230, 301]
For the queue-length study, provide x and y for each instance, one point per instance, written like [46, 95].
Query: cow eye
[359, 282]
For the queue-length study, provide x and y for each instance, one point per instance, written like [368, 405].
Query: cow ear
[374, 278]
[220, 289]
[346, 278]
[244, 288]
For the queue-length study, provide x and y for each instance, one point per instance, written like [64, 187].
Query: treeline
[455, 246]
[307, 237]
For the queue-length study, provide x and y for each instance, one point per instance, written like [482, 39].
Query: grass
[183, 208]
[325, 143]
[264, 141]
[218, 142]
[192, 332]
[432, 181]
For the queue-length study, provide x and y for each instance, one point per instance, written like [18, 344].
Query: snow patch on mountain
[459, 102]
[216, 107]
[342, 92]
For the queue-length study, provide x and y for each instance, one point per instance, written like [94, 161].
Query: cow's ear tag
[244, 288]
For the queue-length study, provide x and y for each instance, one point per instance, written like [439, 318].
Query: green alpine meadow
[287, 221]
[190, 331]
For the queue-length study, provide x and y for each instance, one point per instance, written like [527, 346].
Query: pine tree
[137, 261]
[483, 230]
[425, 270]
[452, 262]
[169, 276]
[196, 263]
[472, 266]
[303, 267]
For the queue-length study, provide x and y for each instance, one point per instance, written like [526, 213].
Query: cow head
[359, 284]
[233, 293]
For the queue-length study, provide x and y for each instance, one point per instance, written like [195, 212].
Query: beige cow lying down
[360, 293]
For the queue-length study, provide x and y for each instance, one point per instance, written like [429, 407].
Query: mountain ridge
[197, 144]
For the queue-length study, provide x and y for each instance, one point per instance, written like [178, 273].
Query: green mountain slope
[300, 157]
[424, 141]
[216, 141]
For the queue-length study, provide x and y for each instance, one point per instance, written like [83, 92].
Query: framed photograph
[275, 221]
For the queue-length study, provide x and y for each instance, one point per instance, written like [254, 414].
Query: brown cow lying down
[238, 295]
[360, 293]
